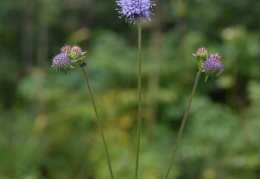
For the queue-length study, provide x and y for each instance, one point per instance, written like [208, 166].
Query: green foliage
[47, 122]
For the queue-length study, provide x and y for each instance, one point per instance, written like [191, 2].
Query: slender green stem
[183, 123]
[139, 98]
[98, 121]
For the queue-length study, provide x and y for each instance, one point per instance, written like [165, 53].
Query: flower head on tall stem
[62, 62]
[211, 66]
[135, 9]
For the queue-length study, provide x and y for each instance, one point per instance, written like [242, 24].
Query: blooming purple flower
[213, 67]
[135, 9]
[61, 62]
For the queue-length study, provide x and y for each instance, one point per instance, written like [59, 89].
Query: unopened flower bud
[202, 52]
[66, 49]
[75, 52]
[215, 55]
[61, 62]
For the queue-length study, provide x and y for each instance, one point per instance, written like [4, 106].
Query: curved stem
[183, 123]
[98, 121]
[139, 98]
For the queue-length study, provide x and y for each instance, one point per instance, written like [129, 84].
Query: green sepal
[201, 64]
[206, 78]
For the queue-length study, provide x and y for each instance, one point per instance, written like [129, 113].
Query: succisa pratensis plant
[212, 66]
[63, 63]
[135, 11]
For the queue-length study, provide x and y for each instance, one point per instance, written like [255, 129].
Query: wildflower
[66, 49]
[135, 9]
[61, 62]
[75, 52]
[202, 52]
[213, 66]
[215, 55]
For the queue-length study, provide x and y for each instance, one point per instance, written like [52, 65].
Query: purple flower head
[61, 62]
[213, 67]
[135, 9]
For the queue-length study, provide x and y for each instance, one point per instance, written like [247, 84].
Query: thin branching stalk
[139, 98]
[183, 124]
[98, 120]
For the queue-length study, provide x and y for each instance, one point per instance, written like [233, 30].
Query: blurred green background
[48, 128]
